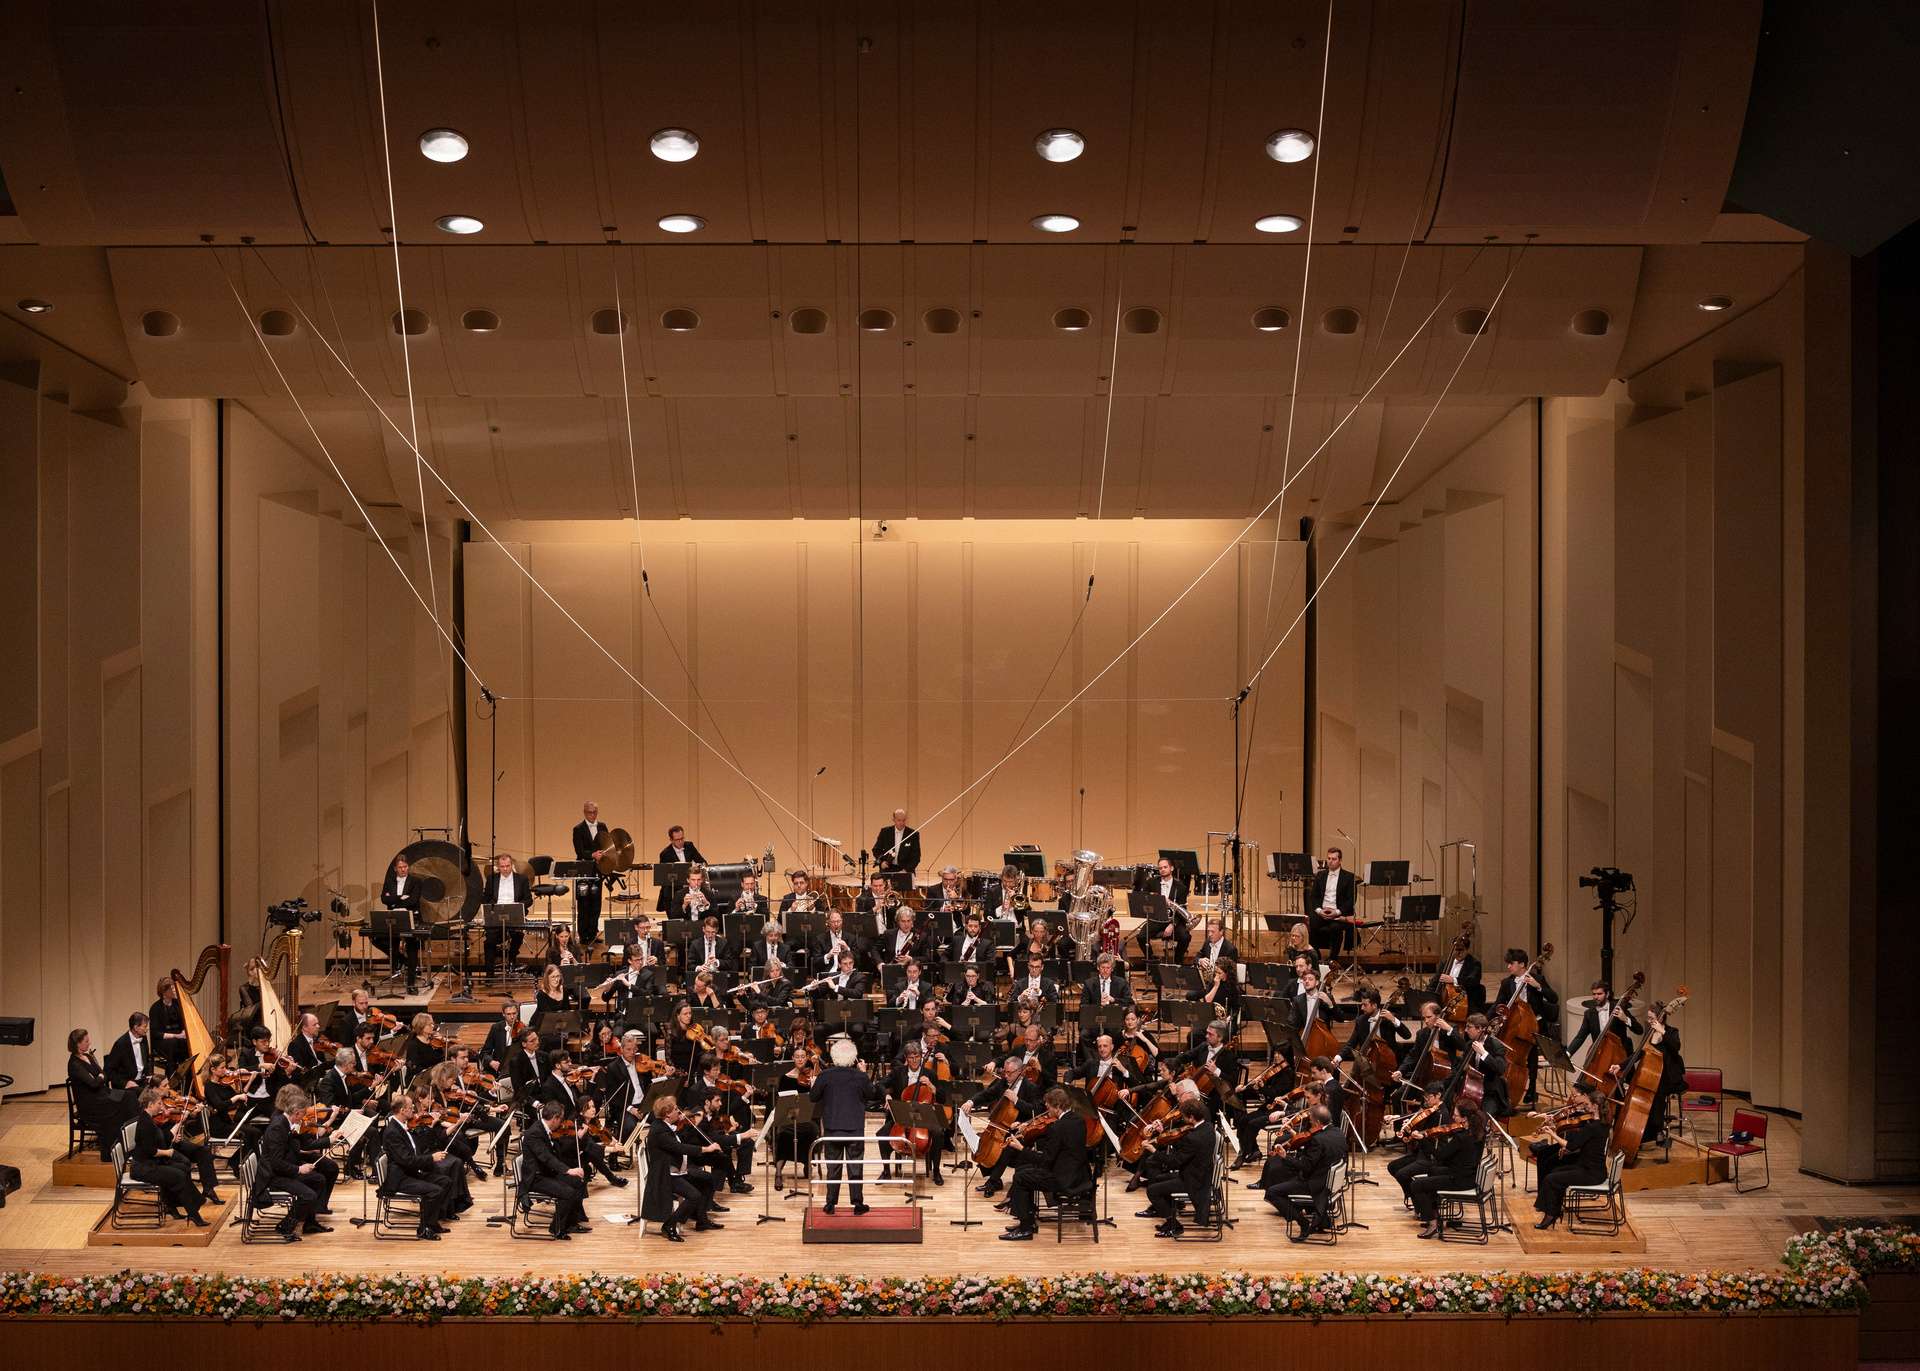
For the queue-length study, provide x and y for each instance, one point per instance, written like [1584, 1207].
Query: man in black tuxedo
[501, 1037]
[401, 891]
[973, 944]
[823, 951]
[1175, 928]
[1214, 1054]
[130, 1063]
[1057, 1163]
[1330, 905]
[1375, 1021]
[1106, 985]
[286, 1164]
[709, 950]
[1307, 1172]
[900, 944]
[527, 1067]
[1190, 1157]
[1435, 1034]
[411, 1171]
[547, 1171]
[1520, 983]
[1311, 1002]
[1027, 1100]
[1460, 968]
[678, 849]
[1217, 944]
[898, 848]
[1486, 1054]
[586, 891]
[506, 886]
[841, 1095]
[1602, 1015]
[353, 1015]
[1033, 984]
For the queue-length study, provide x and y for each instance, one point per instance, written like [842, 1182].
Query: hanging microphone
[821, 772]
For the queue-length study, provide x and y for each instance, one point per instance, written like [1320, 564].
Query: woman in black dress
[426, 1049]
[1453, 1158]
[100, 1107]
[682, 1045]
[794, 1142]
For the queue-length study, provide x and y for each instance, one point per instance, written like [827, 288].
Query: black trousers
[1181, 934]
[311, 1192]
[1552, 1199]
[1333, 937]
[1026, 1180]
[175, 1183]
[432, 1194]
[192, 1157]
[694, 1199]
[1407, 1170]
[1160, 1198]
[586, 911]
[1286, 1169]
[1282, 1201]
[1425, 1189]
[570, 1199]
[833, 1153]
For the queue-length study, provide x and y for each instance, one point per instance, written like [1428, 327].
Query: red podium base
[895, 1224]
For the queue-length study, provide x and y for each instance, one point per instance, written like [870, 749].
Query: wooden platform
[171, 1233]
[1686, 1165]
[1562, 1242]
[83, 1168]
[881, 1224]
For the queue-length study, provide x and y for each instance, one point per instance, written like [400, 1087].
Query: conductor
[846, 1091]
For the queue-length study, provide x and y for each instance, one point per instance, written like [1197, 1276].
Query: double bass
[1642, 1077]
[1373, 1067]
[1517, 1026]
[1610, 1051]
[1454, 1006]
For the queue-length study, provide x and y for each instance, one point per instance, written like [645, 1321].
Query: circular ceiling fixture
[680, 321]
[1341, 320]
[875, 320]
[1071, 320]
[443, 145]
[36, 307]
[682, 223]
[1056, 223]
[277, 323]
[458, 223]
[159, 323]
[1271, 319]
[1059, 145]
[1715, 303]
[674, 145]
[1141, 320]
[479, 321]
[808, 320]
[1278, 223]
[608, 321]
[1290, 145]
[1592, 322]
[941, 320]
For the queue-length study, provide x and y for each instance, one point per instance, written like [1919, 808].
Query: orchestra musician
[1134, 1035]
[1602, 1015]
[793, 1142]
[1263, 1105]
[527, 1068]
[338, 1092]
[898, 848]
[973, 945]
[164, 1160]
[901, 943]
[1414, 1131]
[1462, 969]
[1223, 987]
[411, 1171]
[683, 1039]
[1570, 1156]
[803, 894]
[771, 947]
[506, 886]
[876, 905]
[728, 1120]
[1176, 928]
[501, 1037]
[1310, 1002]
[1027, 1098]
[288, 1164]
[401, 891]
[1035, 1049]
[914, 992]
[671, 1174]
[623, 1085]
[563, 949]
[1306, 1171]
[1332, 925]
[130, 1061]
[1005, 900]
[1035, 985]
[701, 994]
[1486, 1054]
[355, 1014]
[1213, 1054]
[1435, 1034]
[426, 1049]
[1106, 985]
[550, 1171]
[1518, 983]
[679, 850]
[972, 989]
[750, 900]
[167, 1024]
[560, 1089]
[772, 988]
[1453, 1156]
[1663, 1035]
[708, 951]
[304, 1047]
[1375, 1022]
[1189, 1158]
[913, 1067]
[1056, 1163]
[587, 889]
[551, 998]
[1217, 946]
[950, 895]
[827, 945]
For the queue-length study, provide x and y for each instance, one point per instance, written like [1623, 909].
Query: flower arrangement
[1825, 1272]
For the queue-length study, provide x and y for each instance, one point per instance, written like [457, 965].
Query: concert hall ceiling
[865, 314]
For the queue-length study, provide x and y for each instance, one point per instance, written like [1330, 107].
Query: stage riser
[1820, 1342]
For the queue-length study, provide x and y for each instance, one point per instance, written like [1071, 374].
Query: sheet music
[353, 1128]
[965, 1125]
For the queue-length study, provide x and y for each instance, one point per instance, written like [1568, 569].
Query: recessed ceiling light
[1290, 145]
[458, 223]
[682, 223]
[1278, 223]
[442, 145]
[1072, 320]
[1056, 223]
[674, 145]
[1715, 302]
[1059, 145]
[36, 307]
[1271, 319]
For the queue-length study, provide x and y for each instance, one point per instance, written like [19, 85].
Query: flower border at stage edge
[1825, 1273]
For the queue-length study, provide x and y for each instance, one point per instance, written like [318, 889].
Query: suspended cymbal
[615, 853]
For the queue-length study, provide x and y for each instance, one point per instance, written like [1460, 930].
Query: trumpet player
[802, 897]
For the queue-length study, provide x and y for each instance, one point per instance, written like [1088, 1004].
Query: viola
[1133, 1142]
[325, 1048]
[767, 1030]
[1297, 1141]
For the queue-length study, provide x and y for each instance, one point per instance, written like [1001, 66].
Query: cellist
[911, 1071]
[1604, 1016]
[1026, 1097]
[1542, 998]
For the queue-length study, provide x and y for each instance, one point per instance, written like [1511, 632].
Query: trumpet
[695, 903]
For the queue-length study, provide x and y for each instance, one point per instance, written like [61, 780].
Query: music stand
[805, 926]
[673, 875]
[1267, 978]
[844, 1015]
[396, 925]
[1006, 932]
[1186, 1014]
[1394, 873]
[1026, 863]
[741, 930]
[790, 1110]
[974, 1021]
[502, 917]
[914, 1114]
[616, 933]
[892, 1021]
[1182, 980]
[1153, 908]
[970, 1060]
[1186, 862]
[1096, 1019]
[556, 1025]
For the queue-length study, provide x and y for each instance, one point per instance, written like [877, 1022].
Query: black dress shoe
[718, 1209]
[580, 1228]
[428, 1235]
[1172, 1230]
[706, 1226]
[828, 1209]
[938, 1179]
[859, 1209]
[311, 1227]
[211, 1196]
[195, 1219]
[1148, 1214]
[288, 1237]
[671, 1234]
[1018, 1235]
[561, 1237]
[1547, 1222]
[737, 1187]
[990, 1188]
[616, 1180]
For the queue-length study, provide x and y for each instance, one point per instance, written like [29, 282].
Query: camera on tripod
[1607, 882]
[291, 914]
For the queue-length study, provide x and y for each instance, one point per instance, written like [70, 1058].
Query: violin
[380, 1061]
[359, 1080]
[737, 1057]
[474, 1076]
[805, 1076]
[380, 1018]
[313, 1120]
[232, 1078]
[767, 1030]
[1298, 1140]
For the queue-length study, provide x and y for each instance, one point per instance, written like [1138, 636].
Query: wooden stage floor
[1694, 1227]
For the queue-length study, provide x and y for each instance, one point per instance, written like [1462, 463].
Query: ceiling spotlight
[1290, 145]
[458, 223]
[36, 307]
[1056, 223]
[682, 223]
[1059, 145]
[674, 145]
[1278, 223]
[1271, 319]
[442, 145]
[1713, 303]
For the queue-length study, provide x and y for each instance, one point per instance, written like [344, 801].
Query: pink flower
[1427, 1301]
[262, 1300]
[1265, 1301]
[1059, 1306]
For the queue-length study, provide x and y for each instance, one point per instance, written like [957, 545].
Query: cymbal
[615, 852]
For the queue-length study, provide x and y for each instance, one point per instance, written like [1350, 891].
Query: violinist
[972, 990]
[1462, 969]
[1263, 1104]
[600, 1046]
[1035, 986]
[708, 952]
[356, 1012]
[973, 946]
[1452, 1148]
[1485, 1053]
[296, 1163]
[1185, 1167]
[1027, 1098]
[501, 1037]
[305, 1048]
[793, 1142]
[1413, 1130]
[671, 1174]
[730, 1117]
[411, 1170]
[459, 1084]
[101, 1107]
[683, 1039]
[130, 1061]
[760, 1024]
[164, 1160]
[562, 950]
[911, 1070]
[579, 1107]
[439, 1128]
[1036, 1053]
[1306, 1169]
[1530, 983]
[341, 1087]
[1055, 1162]
[264, 1072]
[426, 1049]
[772, 989]
[527, 1068]
[1375, 1023]
[1604, 1016]
[552, 1168]
[623, 1085]
[1107, 985]
[167, 1024]
[1571, 1151]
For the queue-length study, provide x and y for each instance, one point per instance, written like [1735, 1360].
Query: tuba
[1083, 912]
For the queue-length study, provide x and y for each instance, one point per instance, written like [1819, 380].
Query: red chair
[1702, 1097]
[1747, 1121]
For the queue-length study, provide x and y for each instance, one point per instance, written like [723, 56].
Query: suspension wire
[533, 580]
[339, 475]
[1395, 473]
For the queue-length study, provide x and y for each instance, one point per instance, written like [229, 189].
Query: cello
[993, 1138]
[1642, 1077]
[913, 1141]
[1517, 1026]
[1610, 1052]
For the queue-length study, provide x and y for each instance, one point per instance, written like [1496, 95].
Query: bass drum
[450, 884]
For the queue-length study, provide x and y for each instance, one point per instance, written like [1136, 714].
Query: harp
[285, 951]
[200, 1042]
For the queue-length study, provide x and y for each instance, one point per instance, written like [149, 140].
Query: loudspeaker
[16, 1032]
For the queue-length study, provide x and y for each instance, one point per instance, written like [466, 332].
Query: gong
[450, 885]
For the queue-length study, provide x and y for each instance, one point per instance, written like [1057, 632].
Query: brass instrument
[1083, 910]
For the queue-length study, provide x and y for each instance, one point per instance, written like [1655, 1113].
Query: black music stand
[1181, 980]
[971, 1060]
[1185, 1015]
[1153, 909]
[741, 930]
[788, 1111]
[397, 926]
[975, 1021]
[1032, 864]
[615, 933]
[1006, 932]
[1266, 978]
[1096, 1019]
[502, 917]
[805, 926]
[673, 876]
[1186, 862]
